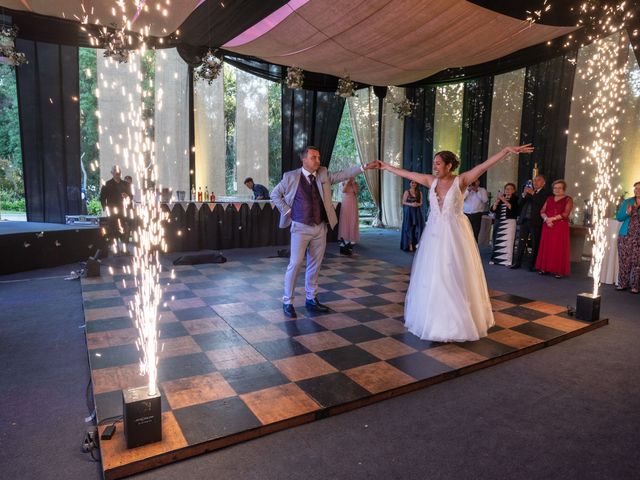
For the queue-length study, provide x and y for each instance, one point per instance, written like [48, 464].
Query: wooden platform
[233, 368]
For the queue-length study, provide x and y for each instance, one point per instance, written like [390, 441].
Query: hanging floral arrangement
[8, 54]
[403, 108]
[346, 87]
[114, 45]
[210, 67]
[295, 77]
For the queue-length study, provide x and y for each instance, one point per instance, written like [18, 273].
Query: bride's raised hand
[528, 148]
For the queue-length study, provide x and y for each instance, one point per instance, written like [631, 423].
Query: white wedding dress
[447, 299]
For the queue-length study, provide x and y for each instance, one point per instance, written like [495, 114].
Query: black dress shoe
[289, 311]
[315, 306]
[514, 266]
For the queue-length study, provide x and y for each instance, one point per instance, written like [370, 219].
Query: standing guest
[504, 230]
[412, 219]
[303, 197]
[554, 256]
[629, 242]
[475, 201]
[534, 196]
[112, 198]
[348, 226]
[260, 192]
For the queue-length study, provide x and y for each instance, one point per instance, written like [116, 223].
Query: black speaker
[142, 416]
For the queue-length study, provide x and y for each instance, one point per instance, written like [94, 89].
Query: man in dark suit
[530, 221]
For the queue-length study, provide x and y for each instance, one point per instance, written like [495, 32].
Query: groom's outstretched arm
[347, 173]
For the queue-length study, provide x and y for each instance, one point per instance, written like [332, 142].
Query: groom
[303, 197]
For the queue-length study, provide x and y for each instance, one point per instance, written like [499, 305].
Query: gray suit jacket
[284, 193]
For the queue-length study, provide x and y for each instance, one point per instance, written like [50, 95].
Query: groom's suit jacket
[283, 195]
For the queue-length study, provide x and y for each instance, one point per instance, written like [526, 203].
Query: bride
[448, 299]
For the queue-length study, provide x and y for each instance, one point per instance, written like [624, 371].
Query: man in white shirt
[475, 202]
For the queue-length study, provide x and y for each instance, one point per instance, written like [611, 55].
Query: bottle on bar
[534, 173]
[199, 194]
[206, 193]
[193, 193]
[212, 197]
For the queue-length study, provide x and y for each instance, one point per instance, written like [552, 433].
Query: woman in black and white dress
[504, 229]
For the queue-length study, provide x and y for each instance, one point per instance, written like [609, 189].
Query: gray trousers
[312, 241]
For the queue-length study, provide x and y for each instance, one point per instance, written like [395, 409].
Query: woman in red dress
[553, 255]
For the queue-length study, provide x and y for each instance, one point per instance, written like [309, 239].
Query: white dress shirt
[474, 202]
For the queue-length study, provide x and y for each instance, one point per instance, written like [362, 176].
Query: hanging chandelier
[346, 87]
[295, 77]
[210, 67]
[403, 108]
[8, 54]
[114, 45]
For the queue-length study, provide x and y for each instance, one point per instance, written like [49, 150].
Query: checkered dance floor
[232, 367]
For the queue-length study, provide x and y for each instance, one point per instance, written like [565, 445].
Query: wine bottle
[199, 194]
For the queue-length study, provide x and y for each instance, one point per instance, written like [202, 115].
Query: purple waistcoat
[307, 205]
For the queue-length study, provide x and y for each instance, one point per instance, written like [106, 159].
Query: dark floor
[570, 411]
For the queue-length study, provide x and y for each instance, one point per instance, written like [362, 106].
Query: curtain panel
[476, 122]
[309, 118]
[418, 134]
[364, 123]
[546, 106]
[48, 93]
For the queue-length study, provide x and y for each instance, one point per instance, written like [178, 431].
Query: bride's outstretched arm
[470, 176]
[422, 178]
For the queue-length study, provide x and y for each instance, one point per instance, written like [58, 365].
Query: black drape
[309, 118]
[418, 133]
[476, 120]
[546, 107]
[48, 93]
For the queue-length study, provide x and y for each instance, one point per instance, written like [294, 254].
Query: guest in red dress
[553, 256]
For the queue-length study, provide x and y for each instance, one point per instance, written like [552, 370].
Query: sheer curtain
[392, 140]
[252, 131]
[447, 129]
[209, 135]
[364, 122]
[115, 80]
[506, 113]
[172, 121]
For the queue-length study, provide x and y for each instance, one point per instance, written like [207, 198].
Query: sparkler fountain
[142, 405]
[607, 68]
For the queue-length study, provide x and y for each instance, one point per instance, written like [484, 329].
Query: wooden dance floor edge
[232, 368]
[213, 445]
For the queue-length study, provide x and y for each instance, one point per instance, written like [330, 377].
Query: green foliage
[10, 149]
[345, 154]
[94, 207]
[88, 120]
[10, 202]
[148, 70]
[229, 86]
[275, 133]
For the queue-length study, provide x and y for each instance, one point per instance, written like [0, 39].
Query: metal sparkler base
[142, 415]
[588, 307]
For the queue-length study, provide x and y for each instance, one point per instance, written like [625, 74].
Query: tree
[11, 179]
[275, 133]
[229, 79]
[90, 155]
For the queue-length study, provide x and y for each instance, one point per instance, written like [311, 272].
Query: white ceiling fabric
[392, 42]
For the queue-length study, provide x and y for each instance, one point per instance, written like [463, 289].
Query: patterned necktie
[315, 200]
